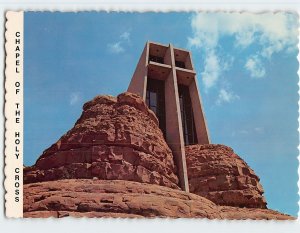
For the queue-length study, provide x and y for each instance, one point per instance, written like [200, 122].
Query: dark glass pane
[180, 64]
[181, 103]
[153, 99]
[187, 117]
[156, 59]
[156, 102]
[147, 97]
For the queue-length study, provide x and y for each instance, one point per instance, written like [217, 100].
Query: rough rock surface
[115, 163]
[119, 198]
[114, 139]
[217, 173]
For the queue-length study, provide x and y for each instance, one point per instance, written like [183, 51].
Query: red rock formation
[115, 163]
[114, 139]
[120, 198]
[217, 173]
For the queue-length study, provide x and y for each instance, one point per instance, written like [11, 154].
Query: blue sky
[246, 66]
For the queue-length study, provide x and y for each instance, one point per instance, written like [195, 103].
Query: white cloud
[250, 131]
[255, 66]
[259, 129]
[119, 46]
[226, 96]
[211, 71]
[244, 38]
[75, 98]
[116, 47]
[227, 62]
[243, 131]
[239, 133]
[271, 32]
[125, 36]
[213, 67]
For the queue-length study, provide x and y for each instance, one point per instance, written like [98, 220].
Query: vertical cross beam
[180, 71]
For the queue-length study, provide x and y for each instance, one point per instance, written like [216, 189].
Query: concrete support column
[174, 134]
[138, 83]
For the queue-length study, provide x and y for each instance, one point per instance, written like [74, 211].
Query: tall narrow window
[155, 99]
[187, 116]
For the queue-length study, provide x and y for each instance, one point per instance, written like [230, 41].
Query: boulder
[114, 139]
[220, 175]
[121, 198]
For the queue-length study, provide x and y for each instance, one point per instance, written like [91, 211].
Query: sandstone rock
[115, 162]
[114, 139]
[217, 173]
[120, 198]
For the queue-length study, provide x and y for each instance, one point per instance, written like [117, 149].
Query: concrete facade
[174, 67]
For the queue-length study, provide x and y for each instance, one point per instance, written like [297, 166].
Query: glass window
[155, 99]
[187, 117]
[156, 59]
[180, 64]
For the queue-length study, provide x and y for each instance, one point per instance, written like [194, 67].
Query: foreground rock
[114, 139]
[115, 163]
[217, 173]
[118, 198]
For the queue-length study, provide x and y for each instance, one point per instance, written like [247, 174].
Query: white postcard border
[14, 114]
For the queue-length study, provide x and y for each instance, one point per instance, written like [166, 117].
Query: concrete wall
[138, 83]
[188, 63]
[199, 117]
[168, 56]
